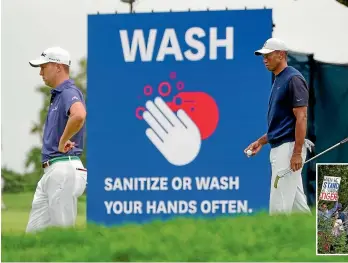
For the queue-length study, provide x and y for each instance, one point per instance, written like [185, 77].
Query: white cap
[53, 54]
[271, 45]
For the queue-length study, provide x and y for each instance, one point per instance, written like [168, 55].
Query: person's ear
[281, 55]
[59, 68]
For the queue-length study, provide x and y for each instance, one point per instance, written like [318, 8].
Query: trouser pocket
[81, 181]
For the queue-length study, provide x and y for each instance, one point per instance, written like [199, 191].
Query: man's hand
[64, 147]
[255, 147]
[296, 162]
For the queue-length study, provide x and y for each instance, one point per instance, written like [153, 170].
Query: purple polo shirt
[63, 96]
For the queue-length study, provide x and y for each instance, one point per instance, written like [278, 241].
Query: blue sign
[173, 101]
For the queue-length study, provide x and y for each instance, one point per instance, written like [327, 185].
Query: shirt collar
[282, 72]
[62, 86]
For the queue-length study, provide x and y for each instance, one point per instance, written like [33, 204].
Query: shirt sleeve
[299, 91]
[333, 210]
[70, 96]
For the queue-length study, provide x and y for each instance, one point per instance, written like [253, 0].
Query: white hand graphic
[176, 137]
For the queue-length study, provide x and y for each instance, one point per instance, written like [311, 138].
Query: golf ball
[249, 152]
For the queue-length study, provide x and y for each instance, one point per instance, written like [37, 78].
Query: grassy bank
[252, 238]
[15, 217]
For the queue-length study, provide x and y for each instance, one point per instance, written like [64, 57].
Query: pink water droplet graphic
[138, 112]
[180, 85]
[160, 89]
[172, 75]
[147, 90]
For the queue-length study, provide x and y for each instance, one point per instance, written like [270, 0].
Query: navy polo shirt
[63, 96]
[289, 90]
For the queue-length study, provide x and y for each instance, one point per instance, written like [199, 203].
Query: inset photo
[332, 209]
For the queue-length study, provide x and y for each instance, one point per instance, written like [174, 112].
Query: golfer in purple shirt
[64, 178]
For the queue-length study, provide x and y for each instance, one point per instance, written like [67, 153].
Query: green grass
[249, 238]
[15, 217]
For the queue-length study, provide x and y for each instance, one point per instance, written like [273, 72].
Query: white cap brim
[263, 51]
[37, 62]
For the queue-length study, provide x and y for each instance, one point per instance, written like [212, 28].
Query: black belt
[59, 159]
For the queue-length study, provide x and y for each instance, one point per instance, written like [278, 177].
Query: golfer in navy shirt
[64, 178]
[287, 126]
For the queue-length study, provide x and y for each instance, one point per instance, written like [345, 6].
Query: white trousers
[289, 196]
[55, 198]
